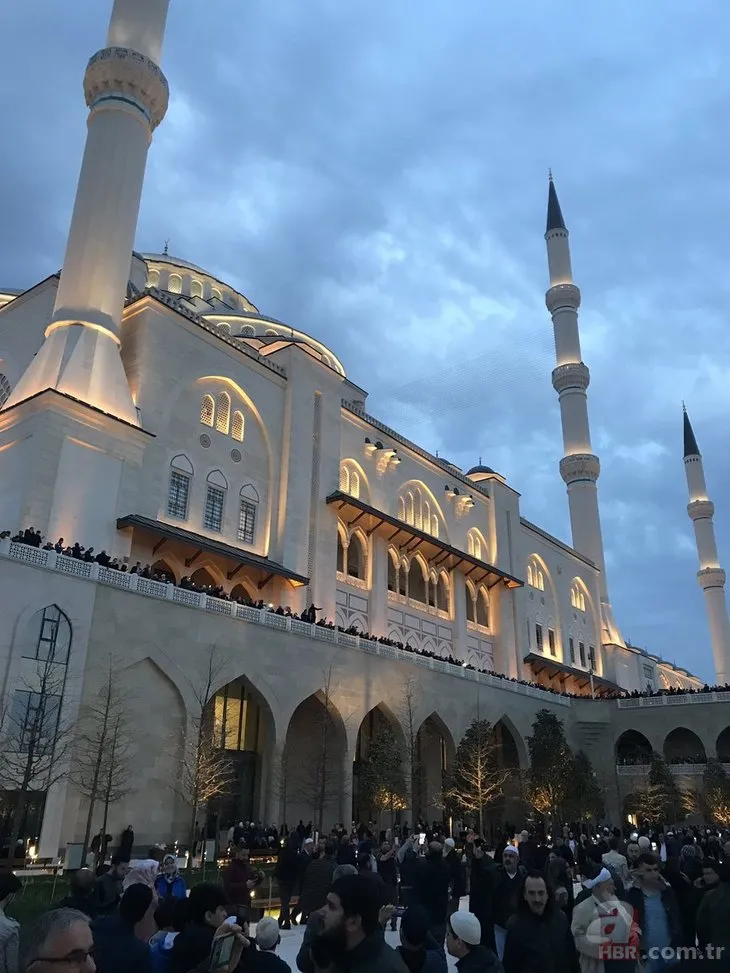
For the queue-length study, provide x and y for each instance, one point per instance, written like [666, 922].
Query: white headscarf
[142, 872]
[603, 876]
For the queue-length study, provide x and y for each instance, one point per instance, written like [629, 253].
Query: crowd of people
[646, 902]
[33, 537]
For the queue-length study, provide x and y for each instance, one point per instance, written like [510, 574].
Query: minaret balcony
[118, 74]
[701, 510]
[574, 376]
[711, 578]
[562, 296]
[580, 467]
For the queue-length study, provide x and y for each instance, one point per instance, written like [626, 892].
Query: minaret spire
[711, 576]
[579, 467]
[127, 96]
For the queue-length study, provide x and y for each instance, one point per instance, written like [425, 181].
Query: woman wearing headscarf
[169, 883]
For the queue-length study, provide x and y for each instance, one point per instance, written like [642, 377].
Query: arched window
[237, 426]
[223, 412]
[207, 410]
[270, 333]
[470, 607]
[410, 509]
[529, 575]
[214, 292]
[196, 288]
[442, 593]
[344, 479]
[247, 512]
[401, 509]
[356, 558]
[392, 572]
[354, 484]
[482, 608]
[48, 636]
[178, 491]
[403, 577]
[224, 327]
[432, 590]
[535, 577]
[540, 581]
[577, 598]
[340, 554]
[434, 525]
[153, 278]
[248, 331]
[5, 389]
[417, 582]
[426, 516]
[174, 284]
[215, 501]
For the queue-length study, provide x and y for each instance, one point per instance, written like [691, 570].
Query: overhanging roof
[555, 668]
[198, 543]
[411, 539]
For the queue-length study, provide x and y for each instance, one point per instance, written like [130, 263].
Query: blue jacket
[161, 951]
[176, 889]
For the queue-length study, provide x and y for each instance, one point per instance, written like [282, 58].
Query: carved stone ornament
[701, 509]
[574, 375]
[562, 295]
[128, 74]
[711, 578]
[581, 466]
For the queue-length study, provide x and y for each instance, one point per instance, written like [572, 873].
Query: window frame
[212, 488]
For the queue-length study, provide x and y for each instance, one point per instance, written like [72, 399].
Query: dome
[487, 470]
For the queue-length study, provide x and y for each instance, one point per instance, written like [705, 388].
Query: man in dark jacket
[207, 910]
[352, 928]
[507, 894]
[484, 879]
[457, 874]
[655, 907]
[539, 939]
[109, 886]
[116, 947]
[82, 893]
[431, 889]
[463, 942]
[419, 951]
[317, 880]
[287, 875]
[238, 880]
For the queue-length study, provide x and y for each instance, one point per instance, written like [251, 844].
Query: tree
[102, 768]
[205, 771]
[585, 795]
[476, 780]
[549, 779]
[712, 798]
[320, 778]
[410, 719]
[382, 780]
[37, 739]
[661, 799]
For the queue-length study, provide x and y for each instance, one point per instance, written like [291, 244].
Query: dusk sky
[374, 172]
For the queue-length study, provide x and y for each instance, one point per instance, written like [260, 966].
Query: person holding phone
[207, 913]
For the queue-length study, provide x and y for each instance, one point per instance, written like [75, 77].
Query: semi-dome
[228, 309]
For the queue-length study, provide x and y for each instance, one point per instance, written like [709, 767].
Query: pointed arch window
[215, 293]
[410, 509]
[434, 525]
[482, 609]
[49, 636]
[401, 509]
[535, 576]
[392, 572]
[417, 582]
[207, 411]
[356, 558]
[470, 606]
[153, 278]
[178, 491]
[247, 513]
[344, 479]
[341, 563]
[354, 484]
[174, 284]
[237, 426]
[442, 593]
[577, 598]
[215, 501]
[223, 412]
[196, 288]
[403, 578]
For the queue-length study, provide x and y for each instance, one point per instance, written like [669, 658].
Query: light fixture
[450, 492]
[370, 446]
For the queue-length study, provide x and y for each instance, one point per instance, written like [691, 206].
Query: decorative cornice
[580, 466]
[574, 375]
[119, 74]
[701, 510]
[711, 578]
[562, 295]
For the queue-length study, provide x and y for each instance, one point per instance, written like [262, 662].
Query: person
[616, 861]
[110, 884]
[457, 875]
[539, 939]
[264, 959]
[603, 928]
[126, 843]
[431, 889]
[418, 949]
[170, 918]
[116, 946]
[463, 942]
[657, 912]
[10, 885]
[170, 884]
[507, 894]
[484, 879]
[315, 925]
[316, 880]
[56, 940]
[287, 872]
[713, 915]
[239, 879]
[82, 893]
[351, 925]
[388, 872]
[207, 910]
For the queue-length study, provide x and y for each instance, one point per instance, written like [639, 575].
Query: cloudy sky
[375, 172]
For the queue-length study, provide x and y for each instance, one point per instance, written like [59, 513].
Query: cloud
[375, 173]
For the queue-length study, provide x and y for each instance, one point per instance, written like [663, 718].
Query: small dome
[486, 470]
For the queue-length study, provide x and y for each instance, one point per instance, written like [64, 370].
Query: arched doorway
[683, 746]
[434, 755]
[379, 785]
[242, 728]
[310, 781]
[242, 594]
[509, 811]
[633, 747]
[723, 746]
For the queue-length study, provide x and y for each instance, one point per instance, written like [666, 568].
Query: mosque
[150, 411]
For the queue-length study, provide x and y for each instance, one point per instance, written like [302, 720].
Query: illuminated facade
[155, 414]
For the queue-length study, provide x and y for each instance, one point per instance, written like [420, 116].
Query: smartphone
[221, 952]
[422, 839]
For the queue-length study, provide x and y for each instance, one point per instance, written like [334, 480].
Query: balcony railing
[93, 572]
[680, 699]
[681, 770]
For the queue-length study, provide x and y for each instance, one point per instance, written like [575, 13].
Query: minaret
[710, 575]
[579, 467]
[127, 96]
